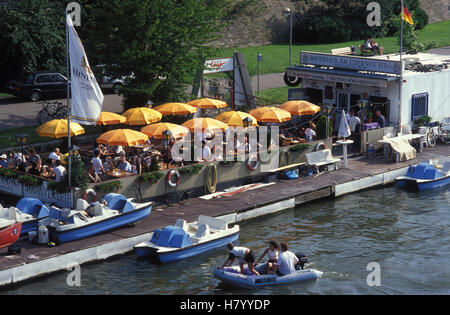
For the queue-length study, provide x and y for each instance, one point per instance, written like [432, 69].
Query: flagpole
[69, 144]
[400, 85]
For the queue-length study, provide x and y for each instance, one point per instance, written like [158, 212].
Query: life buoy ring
[90, 191]
[211, 178]
[253, 164]
[169, 178]
[291, 81]
[320, 146]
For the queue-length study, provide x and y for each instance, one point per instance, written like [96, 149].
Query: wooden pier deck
[37, 260]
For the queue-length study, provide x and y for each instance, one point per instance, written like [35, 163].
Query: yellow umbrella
[205, 124]
[142, 116]
[156, 130]
[271, 114]
[57, 128]
[123, 137]
[208, 103]
[235, 119]
[176, 109]
[107, 118]
[300, 108]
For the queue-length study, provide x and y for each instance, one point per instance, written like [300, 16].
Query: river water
[407, 234]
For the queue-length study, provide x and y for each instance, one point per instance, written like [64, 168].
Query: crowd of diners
[104, 162]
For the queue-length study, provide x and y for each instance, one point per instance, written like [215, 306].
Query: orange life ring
[169, 178]
[90, 191]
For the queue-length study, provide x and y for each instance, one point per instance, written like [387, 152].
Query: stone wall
[437, 10]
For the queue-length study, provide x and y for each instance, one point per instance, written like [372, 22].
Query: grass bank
[275, 58]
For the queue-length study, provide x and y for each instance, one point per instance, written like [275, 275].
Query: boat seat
[202, 232]
[82, 205]
[446, 168]
[182, 224]
[213, 223]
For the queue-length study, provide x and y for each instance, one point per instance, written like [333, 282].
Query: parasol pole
[68, 104]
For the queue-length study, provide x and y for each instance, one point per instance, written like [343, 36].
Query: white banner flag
[87, 97]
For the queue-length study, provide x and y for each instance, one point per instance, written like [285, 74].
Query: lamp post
[288, 12]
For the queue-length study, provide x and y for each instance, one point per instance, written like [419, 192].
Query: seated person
[272, 251]
[379, 118]
[206, 152]
[35, 169]
[370, 44]
[286, 261]
[310, 134]
[108, 165]
[3, 161]
[55, 155]
[124, 165]
[93, 176]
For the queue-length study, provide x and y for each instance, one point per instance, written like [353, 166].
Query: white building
[346, 81]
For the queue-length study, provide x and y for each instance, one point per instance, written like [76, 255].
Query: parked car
[38, 85]
[107, 81]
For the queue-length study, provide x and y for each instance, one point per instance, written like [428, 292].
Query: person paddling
[244, 255]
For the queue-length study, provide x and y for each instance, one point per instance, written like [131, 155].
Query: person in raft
[244, 255]
[272, 251]
[286, 261]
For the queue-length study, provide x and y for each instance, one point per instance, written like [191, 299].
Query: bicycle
[54, 110]
[442, 134]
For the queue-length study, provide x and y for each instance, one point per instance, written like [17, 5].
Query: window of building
[419, 105]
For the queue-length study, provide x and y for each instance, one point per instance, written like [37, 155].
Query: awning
[338, 75]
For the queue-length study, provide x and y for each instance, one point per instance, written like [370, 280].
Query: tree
[162, 42]
[31, 38]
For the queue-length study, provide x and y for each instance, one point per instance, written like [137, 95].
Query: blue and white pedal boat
[425, 176]
[233, 276]
[112, 212]
[29, 211]
[183, 240]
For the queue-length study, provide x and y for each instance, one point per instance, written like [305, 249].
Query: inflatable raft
[232, 275]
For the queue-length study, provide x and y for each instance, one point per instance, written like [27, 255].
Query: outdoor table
[369, 126]
[344, 143]
[119, 174]
[405, 137]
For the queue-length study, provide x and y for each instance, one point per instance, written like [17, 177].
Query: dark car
[38, 85]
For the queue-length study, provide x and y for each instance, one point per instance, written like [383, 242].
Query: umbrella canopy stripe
[123, 137]
[142, 116]
[156, 130]
[208, 103]
[58, 128]
[271, 114]
[108, 118]
[176, 109]
[300, 108]
[236, 118]
[205, 124]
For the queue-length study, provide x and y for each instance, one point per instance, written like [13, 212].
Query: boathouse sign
[351, 62]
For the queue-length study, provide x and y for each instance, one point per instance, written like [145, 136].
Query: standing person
[54, 156]
[34, 157]
[4, 161]
[97, 163]
[286, 261]
[59, 171]
[353, 121]
[380, 119]
[244, 255]
[310, 133]
[272, 251]
[108, 166]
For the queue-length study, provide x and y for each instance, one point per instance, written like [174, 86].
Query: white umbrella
[344, 128]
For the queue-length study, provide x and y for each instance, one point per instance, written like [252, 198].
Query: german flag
[406, 16]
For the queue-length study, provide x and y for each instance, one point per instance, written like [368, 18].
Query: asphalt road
[15, 112]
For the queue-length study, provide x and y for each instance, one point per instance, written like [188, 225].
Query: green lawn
[275, 58]
[8, 138]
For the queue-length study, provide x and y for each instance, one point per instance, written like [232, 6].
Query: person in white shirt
[272, 251]
[244, 255]
[286, 261]
[55, 156]
[97, 163]
[206, 152]
[59, 171]
[353, 121]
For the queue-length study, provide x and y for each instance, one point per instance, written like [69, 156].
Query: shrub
[111, 187]
[151, 178]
